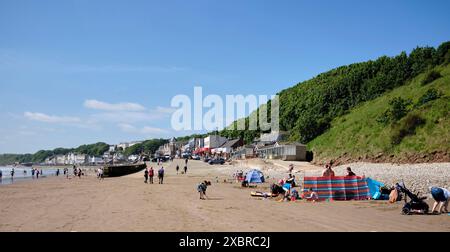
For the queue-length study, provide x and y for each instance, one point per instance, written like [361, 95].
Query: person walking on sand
[178, 168]
[150, 175]
[100, 173]
[146, 176]
[57, 172]
[185, 169]
[161, 175]
[37, 173]
[328, 172]
[441, 197]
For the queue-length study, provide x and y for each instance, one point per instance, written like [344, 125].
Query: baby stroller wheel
[406, 210]
[426, 209]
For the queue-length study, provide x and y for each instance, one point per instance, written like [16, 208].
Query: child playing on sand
[313, 196]
[201, 188]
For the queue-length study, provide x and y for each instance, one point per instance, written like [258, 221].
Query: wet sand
[128, 204]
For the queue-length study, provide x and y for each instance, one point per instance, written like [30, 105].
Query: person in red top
[150, 175]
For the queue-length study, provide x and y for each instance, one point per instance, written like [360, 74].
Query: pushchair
[416, 204]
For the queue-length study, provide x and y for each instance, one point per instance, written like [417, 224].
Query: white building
[214, 141]
[50, 161]
[96, 160]
[74, 158]
[60, 160]
[127, 144]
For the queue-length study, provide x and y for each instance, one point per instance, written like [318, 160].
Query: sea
[24, 174]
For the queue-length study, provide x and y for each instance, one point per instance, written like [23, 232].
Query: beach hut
[254, 176]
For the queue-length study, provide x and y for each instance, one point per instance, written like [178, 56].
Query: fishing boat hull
[122, 170]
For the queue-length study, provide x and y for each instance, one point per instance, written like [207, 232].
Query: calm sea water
[24, 173]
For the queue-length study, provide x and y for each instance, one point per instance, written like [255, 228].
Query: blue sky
[75, 72]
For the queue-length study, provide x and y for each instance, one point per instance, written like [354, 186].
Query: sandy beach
[128, 204]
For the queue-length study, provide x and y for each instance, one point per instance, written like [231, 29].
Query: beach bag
[376, 196]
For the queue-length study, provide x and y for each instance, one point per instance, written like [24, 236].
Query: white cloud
[123, 106]
[165, 110]
[41, 117]
[147, 130]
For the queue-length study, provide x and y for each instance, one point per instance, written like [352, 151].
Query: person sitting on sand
[294, 195]
[328, 172]
[313, 196]
[350, 172]
[441, 197]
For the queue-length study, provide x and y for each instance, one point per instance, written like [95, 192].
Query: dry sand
[128, 204]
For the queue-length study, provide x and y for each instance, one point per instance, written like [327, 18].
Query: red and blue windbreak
[338, 188]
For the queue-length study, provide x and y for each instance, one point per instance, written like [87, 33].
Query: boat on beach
[123, 169]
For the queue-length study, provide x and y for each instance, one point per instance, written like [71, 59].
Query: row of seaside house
[269, 146]
[113, 154]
